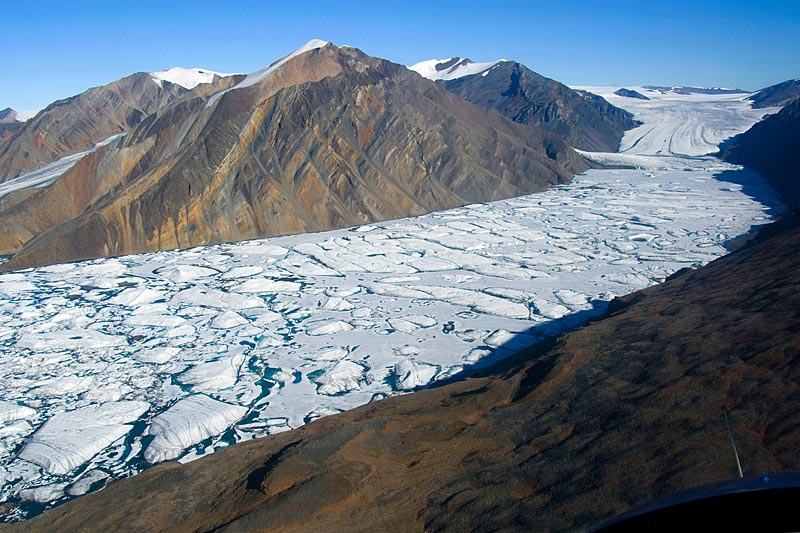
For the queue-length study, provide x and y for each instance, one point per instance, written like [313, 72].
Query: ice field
[111, 365]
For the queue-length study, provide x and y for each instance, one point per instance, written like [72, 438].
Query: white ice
[71, 438]
[189, 422]
[677, 126]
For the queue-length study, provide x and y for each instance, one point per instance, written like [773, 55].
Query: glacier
[111, 365]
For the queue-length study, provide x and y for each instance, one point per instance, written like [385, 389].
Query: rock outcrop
[624, 411]
[630, 93]
[329, 139]
[584, 120]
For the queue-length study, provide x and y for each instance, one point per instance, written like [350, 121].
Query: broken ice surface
[111, 365]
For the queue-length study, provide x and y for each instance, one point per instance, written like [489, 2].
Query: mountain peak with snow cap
[189, 78]
[451, 69]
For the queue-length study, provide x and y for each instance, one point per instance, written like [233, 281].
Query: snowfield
[108, 366]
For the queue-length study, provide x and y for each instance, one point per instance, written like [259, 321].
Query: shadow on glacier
[517, 348]
[755, 186]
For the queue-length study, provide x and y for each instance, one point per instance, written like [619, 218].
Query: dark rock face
[76, 124]
[772, 147]
[624, 411]
[584, 120]
[777, 95]
[9, 125]
[630, 93]
[331, 139]
[7, 131]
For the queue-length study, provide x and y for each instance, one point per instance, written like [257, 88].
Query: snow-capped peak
[186, 77]
[451, 69]
[9, 115]
[258, 75]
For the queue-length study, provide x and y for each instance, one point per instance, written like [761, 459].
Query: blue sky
[52, 50]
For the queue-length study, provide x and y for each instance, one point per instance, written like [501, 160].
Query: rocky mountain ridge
[772, 147]
[77, 123]
[777, 95]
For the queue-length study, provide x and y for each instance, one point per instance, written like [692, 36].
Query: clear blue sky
[52, 50]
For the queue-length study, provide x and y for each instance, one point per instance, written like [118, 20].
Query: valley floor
[110, 366]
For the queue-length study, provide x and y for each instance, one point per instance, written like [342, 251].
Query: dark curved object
[764, 504]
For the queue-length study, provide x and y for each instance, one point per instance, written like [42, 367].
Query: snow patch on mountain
[451, 69]
[188, 78]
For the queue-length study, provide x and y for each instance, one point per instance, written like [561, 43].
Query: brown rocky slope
[332, 138]
[77, 123]
[623, 411]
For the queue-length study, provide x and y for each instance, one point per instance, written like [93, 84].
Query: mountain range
[327, 137]
[630, 408]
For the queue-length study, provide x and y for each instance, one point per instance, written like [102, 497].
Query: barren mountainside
[332, 138]
[77, 123]
[584, 120]
[777, 95]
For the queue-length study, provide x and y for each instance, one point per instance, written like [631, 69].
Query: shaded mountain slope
[332, 138]
[777, 95]
[77, 123]
[772, 147]
[623, 411]
[584, 120]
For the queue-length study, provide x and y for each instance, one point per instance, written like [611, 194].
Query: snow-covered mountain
[451, 69]
[185, 77]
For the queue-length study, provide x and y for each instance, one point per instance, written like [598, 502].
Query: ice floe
[71, 438]
[189, 422]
